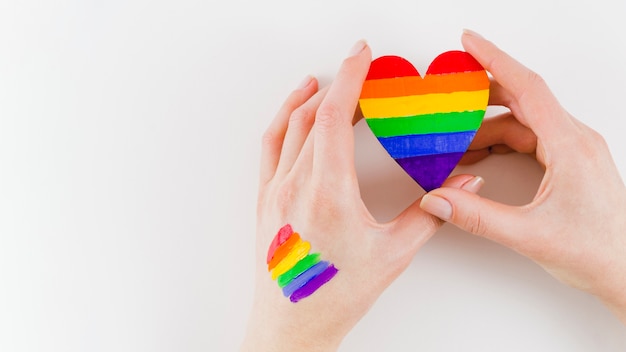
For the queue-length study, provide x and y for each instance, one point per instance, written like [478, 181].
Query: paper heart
[426, 124]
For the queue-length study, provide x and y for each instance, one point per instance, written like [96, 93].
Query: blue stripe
[427, 144]
[303, 278]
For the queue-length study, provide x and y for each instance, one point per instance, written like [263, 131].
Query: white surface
[129, 143]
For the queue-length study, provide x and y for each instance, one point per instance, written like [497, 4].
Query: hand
[575, 227]
[308, 180]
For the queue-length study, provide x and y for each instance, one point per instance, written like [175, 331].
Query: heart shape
[426, 124]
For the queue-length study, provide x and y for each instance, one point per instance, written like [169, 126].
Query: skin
[308, 179]
[574, 227]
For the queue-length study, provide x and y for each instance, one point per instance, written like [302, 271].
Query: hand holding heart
[574, 228]
[308, 180]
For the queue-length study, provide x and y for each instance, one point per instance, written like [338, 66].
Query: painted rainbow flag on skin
[426, 124]
[298, 273]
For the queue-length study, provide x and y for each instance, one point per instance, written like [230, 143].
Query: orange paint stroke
[283, 250]
[416, 85]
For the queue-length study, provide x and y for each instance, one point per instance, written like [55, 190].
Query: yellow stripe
[424, 104]
[298, 252]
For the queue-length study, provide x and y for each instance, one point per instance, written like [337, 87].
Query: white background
[129, 145]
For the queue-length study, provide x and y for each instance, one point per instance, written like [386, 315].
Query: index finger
[333, 132]
[532, 101]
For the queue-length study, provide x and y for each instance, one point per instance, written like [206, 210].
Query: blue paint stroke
[427, 144]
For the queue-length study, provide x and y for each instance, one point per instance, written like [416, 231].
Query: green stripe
[430, 123]
[299, 268]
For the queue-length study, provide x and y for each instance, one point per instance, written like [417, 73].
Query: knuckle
[596, 144]
[260, 204]
[269, 138]
[432, 224]
[300, 115]
[295, 99]
[349, 65]
[597, 138]
[328, 116]
[530, 143]
[284, 198]
[351, 68]
[519, 137]
[324, 204]
[534, 79]
[320, 198]
[494, 63]
[532, 82]
[475, 224]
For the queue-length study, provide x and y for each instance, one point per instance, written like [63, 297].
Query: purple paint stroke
[314, 284]
[305, 277]
[430, 171]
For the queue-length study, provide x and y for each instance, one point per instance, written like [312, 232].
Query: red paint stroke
[281, 237]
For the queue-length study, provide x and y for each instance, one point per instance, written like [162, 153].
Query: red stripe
[449, 62]
[390, 67]
[453, 62]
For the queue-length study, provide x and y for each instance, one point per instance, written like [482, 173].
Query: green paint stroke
[303, 265]
[429, 123]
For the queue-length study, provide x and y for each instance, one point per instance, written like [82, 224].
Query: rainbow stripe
[297, 272]
[426, 124]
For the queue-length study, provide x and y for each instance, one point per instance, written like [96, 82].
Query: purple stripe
[303, 278]
[430, 170]
[314, 284]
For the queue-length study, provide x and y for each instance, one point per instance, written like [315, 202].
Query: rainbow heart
[426, 124]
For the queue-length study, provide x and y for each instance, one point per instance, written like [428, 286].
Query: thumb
[501, 223]
[413, 227]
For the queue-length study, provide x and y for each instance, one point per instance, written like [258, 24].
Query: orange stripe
[416, 85]
[283, 250]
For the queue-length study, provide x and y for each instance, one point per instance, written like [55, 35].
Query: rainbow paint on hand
[426, 124]
[298, 272]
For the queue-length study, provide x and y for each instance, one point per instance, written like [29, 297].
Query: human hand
[308, 180]
[575, 227]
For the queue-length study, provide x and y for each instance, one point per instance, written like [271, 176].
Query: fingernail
[358, 47]
[474, 185]
[437, 206]
[472, 33]
[305, 82]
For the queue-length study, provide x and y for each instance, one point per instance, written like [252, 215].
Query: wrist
[614, 295]
[262, 340]
[611, 287]
[269, 330]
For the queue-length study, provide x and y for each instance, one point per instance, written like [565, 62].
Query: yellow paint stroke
[298, 252]
[424, 104]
